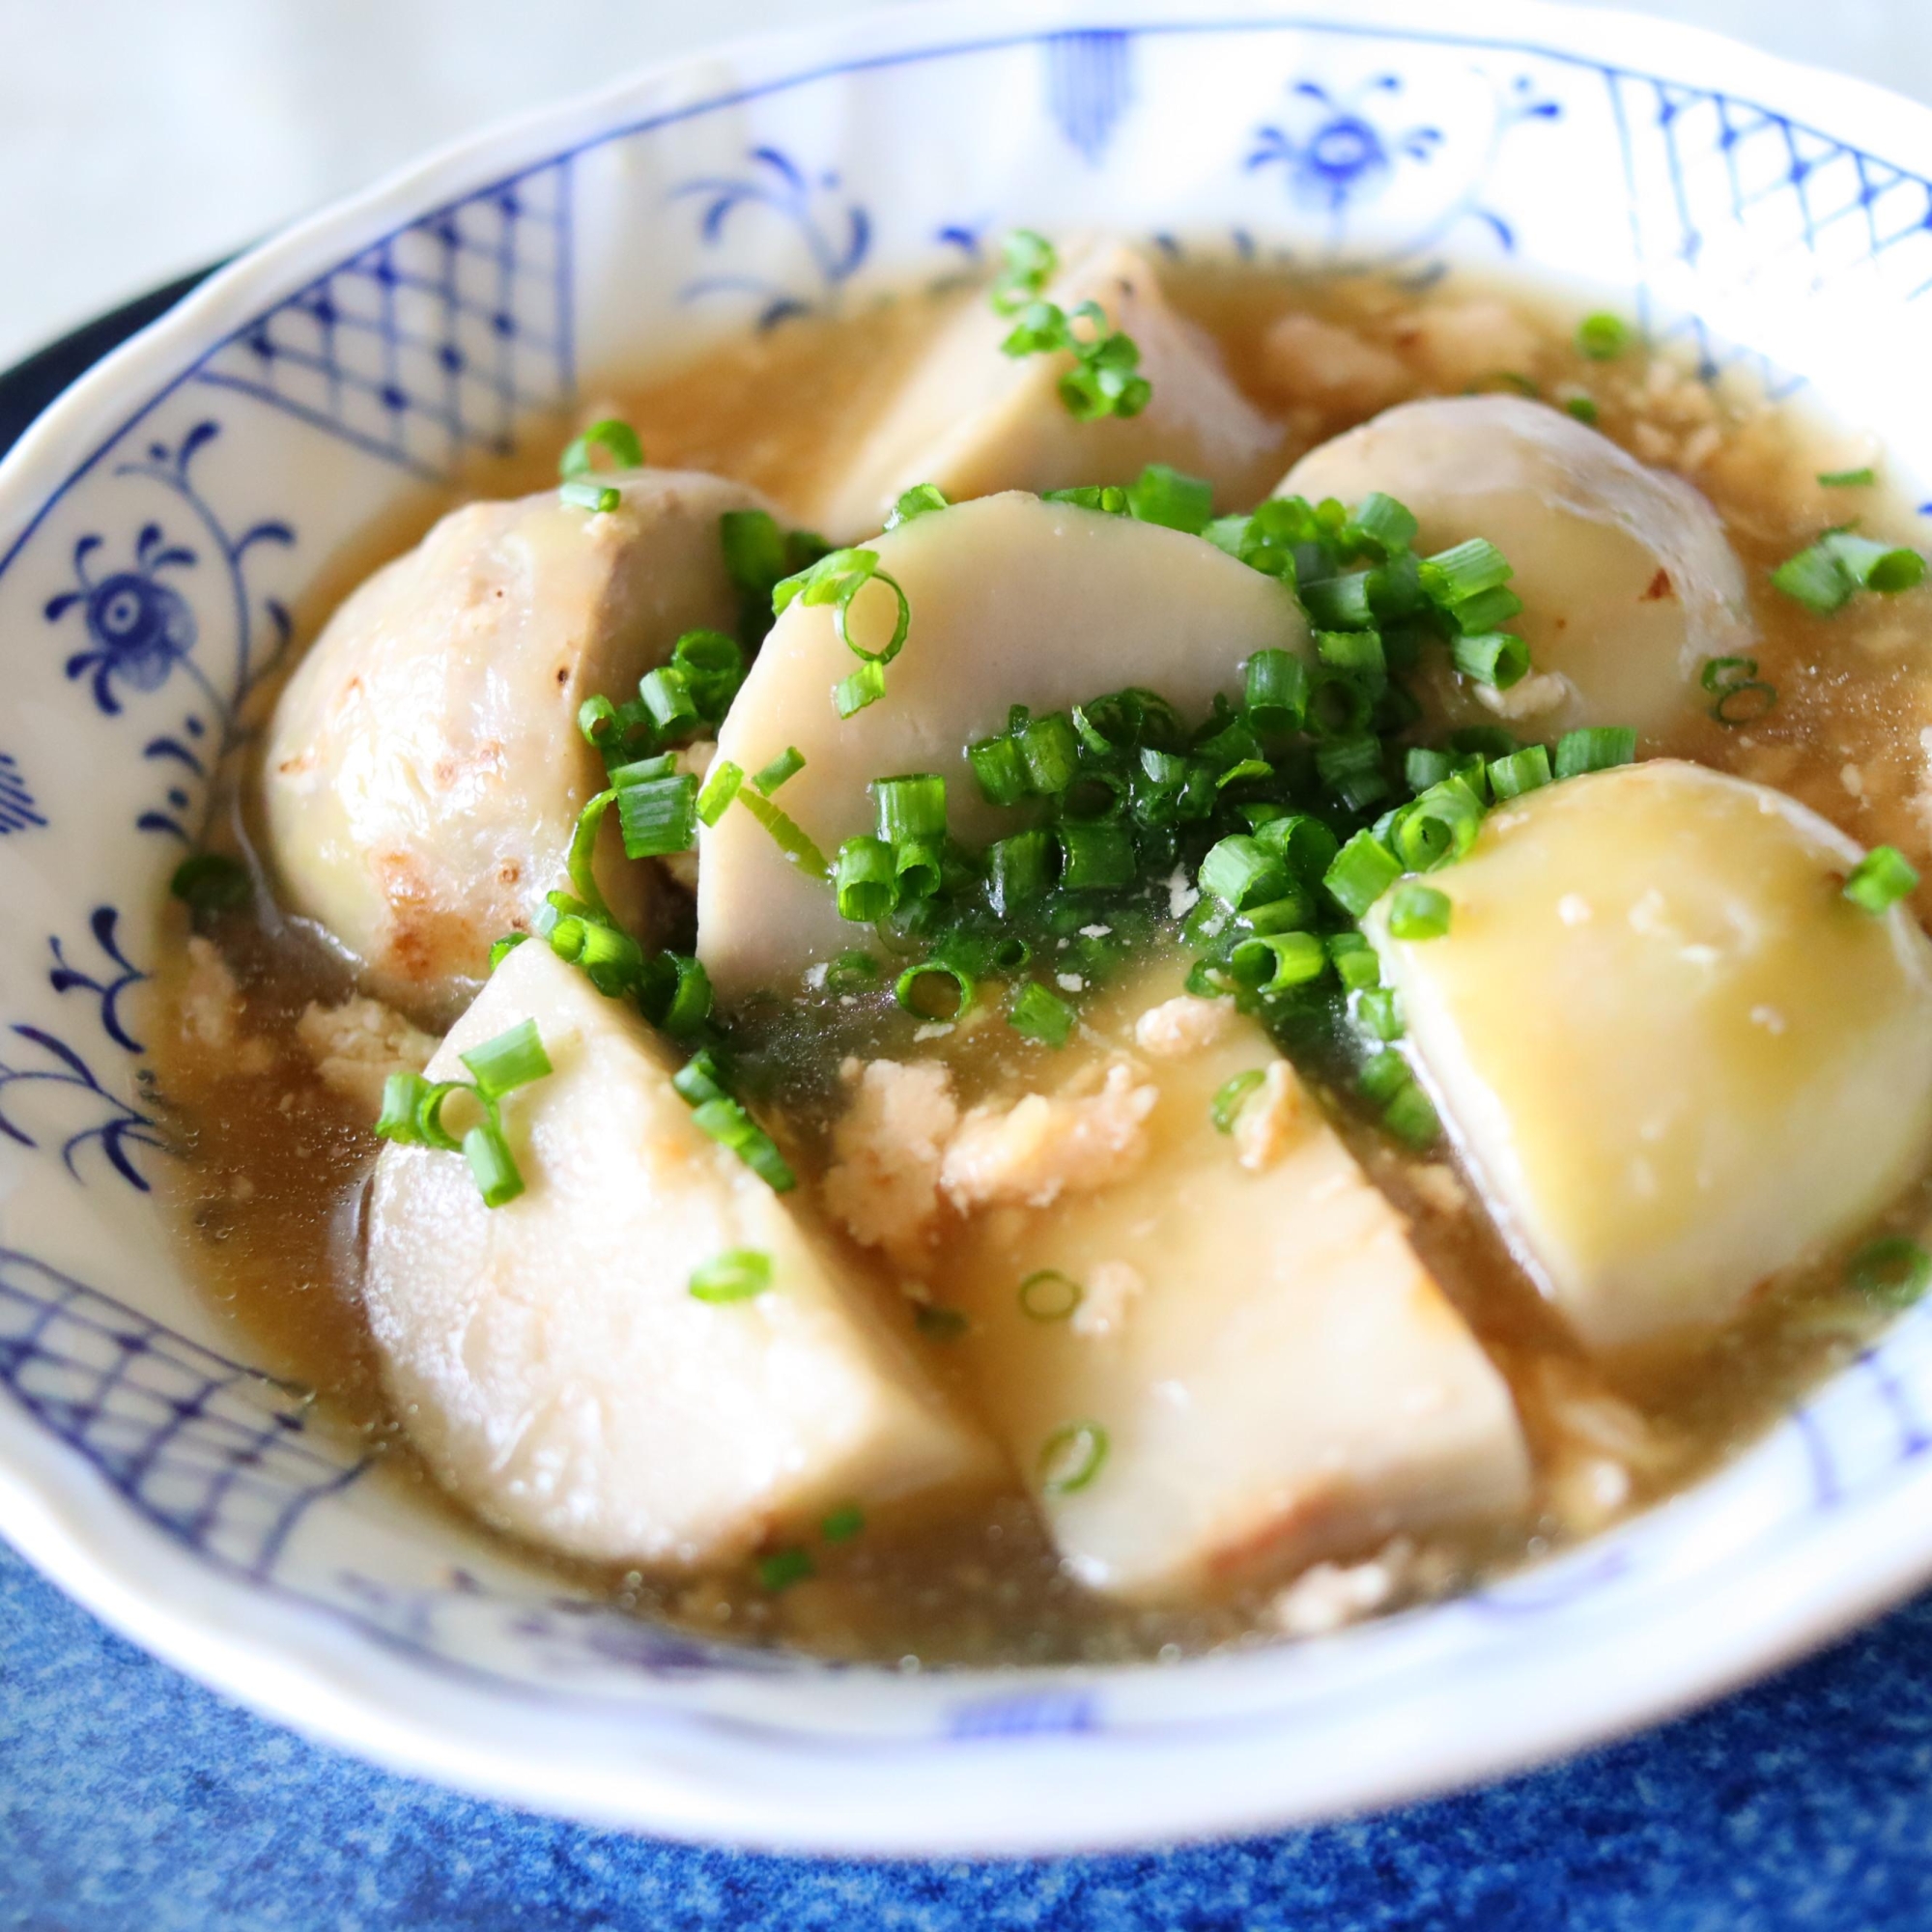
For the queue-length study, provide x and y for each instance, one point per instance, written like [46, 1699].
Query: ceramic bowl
[160, 523]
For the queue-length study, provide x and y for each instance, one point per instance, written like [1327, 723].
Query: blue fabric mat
[132, 1801]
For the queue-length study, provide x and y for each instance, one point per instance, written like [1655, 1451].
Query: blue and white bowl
[160, 523]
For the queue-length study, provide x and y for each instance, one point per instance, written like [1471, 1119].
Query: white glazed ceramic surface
[159, 521]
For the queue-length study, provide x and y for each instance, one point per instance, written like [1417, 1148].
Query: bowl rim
[323, 1683]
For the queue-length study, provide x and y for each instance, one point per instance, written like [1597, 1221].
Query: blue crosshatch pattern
[217, 1454]
[437, 343]
[442, 339]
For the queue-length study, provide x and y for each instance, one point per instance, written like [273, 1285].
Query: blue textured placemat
[132, 1801]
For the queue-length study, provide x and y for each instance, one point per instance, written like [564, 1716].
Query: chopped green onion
[1070, 1458]
[842, 1525]
[504, 947]
[1241, 870]
[786, 765]
[641, 771]
[1381, 522]
[921, 500]
[1164, 495]
[491, 1165]
[1583, 409]
[1412, 1117]
[721, 788]
[837, 578]
[725, 1121]
[1339, 603]
[1421, 767]
[866, 686]
[676, 994]
[1848, 479]
[1743, 696]
[701, 1079]
[1017, 869]
[1273, 962]
[1109, 498]
[1050, 750]
[1893, 1269]
[1041, 1015]
[210, 882]
[597, 720]
[783, 1568]
[1603, 337]
[582, 494]
[935, 989]
[1290, 913]
[1275, 694]
[1354, 962]
[1881, 879]
[1483, 741]
[1363, 871]
[1306, 845]
[1339, 706]
[1000, 768]
[1049, 1296]
[1418, 912]
[735, 1275]
[913, 806]
[659, 817]
[1384, 1075]
[943, 1325]
[1496, 658]
[1521, 771]
[579, 861]
[1230, 1096]
[1465, 570]
[919, 865]
[1094, 858]
[1031, 263]
[852, 973]
[1352, 768]
[1596, 748]
[1438, 828]
[512, 1060]
[865, 879]
[788, 836]
[1359, 652]
[1104, 380]
[403, 1096]
[1825, 577]
[712, 666]
[1380, 1012]
[616, 440]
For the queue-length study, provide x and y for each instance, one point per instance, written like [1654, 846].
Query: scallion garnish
[1355, 960]
[725, 1121]
[1275, 693]
[1410, 1116]
[1070, 1458]
[783, 1568]
[1438, 828]
[921, 500]
[1094, 858]
[1000, 768]
[1881, 879]
[842, 1525]
[210, 882]
[1601, 337]
[919, 865]
[1520, 772]
[1165, 496]
[582, 492]
[411, 1110]
[1362, 871]
[935, 989]
[1030, 264]
[1359, 652]
[796, 846]
[1380, 1013]
[658, 817]
[865, 878]
[1230, 1096]
[1848, 479]
[1893, 1269]
[610, 439]
[1825, 577]
[1241, 870]
[1583, 409]
[1596, 748]
[736, 1275]
[1018, 869]
[1496, 658]
[1104, 380]
[712, 667]
[1049, 1296]
[1042, 1015]
[1275, 962]
[912, 807]
[1743, 696]
[721, 788]
[1418, 912]
[1049, 752]
[853, 693]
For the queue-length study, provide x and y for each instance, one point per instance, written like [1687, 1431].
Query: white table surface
[141, 138]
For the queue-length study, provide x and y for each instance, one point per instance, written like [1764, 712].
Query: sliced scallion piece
[491, 1164]
[210, 882]
[781, 1568]
[865, 878]
[842, 1525]
[1239, 870]
[1596, 748]
[1040, 1015]
[1363, 871]
[1275, 692]
[788, 836]
[786, 765]
[1418, 912]
[1018, 869]
[1070, 1458]
[583, 493]
[912, 807]
[612, 439]
[921, 500]
[1743, 696]
[1893, 1269]
[1881, 879]
[735, 1275]
[1273, 962]
[1049, 1296]
[1847, 479]
[1520, 772]
[1163, 495]
[658, 817]
[1000, 768]
[1049, 749]
[935, 989]
[1094, 858]
[511, 1060]
[1499, 659]
[721, 788]
[1230, 1096]
[1601, 337]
